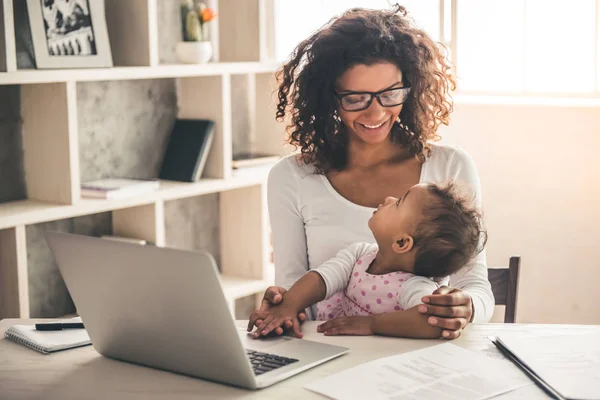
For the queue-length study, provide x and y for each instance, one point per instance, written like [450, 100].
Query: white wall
[540, 173]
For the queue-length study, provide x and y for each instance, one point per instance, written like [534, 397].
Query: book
[117, 188]
[244, 160]
[47, 342]
[187, 150]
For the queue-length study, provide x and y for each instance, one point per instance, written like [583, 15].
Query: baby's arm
[312, 287]
[409, 322]
[307, 291]
[336, 271]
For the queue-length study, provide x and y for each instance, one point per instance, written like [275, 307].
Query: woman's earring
[337, 117]
[398, 120]
[337, 121]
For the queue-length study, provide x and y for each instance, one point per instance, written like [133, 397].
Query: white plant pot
[194, 52]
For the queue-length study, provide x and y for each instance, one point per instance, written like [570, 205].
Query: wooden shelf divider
[50, 142]
[14, 282]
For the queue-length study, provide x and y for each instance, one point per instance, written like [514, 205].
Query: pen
[523, 367]
[58, 326]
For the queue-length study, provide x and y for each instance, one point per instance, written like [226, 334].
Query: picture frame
[69, 34]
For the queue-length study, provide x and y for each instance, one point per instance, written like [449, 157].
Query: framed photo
[69, 33]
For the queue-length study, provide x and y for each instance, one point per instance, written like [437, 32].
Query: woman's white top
[311, 222]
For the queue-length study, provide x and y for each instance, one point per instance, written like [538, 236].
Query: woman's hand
[450, 309]
[357, 325]
[272, 297]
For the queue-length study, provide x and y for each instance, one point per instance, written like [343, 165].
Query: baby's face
[396, 217]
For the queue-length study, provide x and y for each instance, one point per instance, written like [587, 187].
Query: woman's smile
[374, 129]
[373, 126]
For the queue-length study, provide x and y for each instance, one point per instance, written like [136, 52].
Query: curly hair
[450, 233]
[362, 36]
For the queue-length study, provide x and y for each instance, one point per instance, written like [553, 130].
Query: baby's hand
[276, 317]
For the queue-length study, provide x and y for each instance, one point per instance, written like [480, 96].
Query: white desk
[84, 374]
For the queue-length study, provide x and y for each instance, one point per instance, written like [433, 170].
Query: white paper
[445, 371]
[570, 364]
[477, 337]
[529, 392]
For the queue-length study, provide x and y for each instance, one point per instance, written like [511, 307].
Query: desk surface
[83, 373]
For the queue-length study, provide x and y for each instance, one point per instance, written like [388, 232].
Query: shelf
[236, 288]
[27, 212]
[23, 77]
[51, 102]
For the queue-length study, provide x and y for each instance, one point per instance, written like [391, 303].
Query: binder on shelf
[187, 150]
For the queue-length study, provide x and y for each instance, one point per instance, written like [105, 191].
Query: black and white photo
[69, 33]
[68, 27]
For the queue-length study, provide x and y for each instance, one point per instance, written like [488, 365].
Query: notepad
[47, 342]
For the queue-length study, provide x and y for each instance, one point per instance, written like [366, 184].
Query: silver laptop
[165, 308]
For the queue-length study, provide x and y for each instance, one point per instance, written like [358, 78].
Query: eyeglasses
[358, 101]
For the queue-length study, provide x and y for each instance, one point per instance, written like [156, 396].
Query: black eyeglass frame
[340, 97]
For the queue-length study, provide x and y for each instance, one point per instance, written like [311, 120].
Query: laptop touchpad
[263, 343]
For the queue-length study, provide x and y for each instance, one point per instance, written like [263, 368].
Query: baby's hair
[450, 233]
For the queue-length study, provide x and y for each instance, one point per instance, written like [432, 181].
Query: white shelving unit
[51, 148]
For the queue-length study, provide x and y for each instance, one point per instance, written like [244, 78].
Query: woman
[365, 94]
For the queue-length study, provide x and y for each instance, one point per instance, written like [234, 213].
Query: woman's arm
[288, 238]
[473, 279]
[287, 224]
[469, 297]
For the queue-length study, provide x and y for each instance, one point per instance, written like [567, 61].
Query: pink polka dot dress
[365, 294]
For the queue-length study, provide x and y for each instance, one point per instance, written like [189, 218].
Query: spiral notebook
[47, 342]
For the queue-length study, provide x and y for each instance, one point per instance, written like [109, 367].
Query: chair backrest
[505, 283]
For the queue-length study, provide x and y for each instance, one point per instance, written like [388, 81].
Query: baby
[429, 234]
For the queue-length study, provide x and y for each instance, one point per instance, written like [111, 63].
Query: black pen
[58, 326]
[525, 368]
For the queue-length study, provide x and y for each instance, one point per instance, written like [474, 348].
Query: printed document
[444, 371]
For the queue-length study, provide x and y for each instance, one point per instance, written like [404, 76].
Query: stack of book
[118, 188]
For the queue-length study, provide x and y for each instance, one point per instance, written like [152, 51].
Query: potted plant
[195, 47]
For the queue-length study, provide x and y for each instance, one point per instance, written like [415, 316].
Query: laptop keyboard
[265, 362]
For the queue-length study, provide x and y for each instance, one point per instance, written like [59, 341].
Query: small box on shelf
[253, 164]
[244, 160]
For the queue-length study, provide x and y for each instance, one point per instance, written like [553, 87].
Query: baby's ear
[402, 244]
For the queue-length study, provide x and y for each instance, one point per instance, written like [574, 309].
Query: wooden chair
[505, 283]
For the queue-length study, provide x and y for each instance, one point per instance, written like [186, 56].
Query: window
[296, 20]
[536, 46]
[507, 47]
